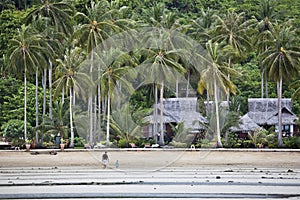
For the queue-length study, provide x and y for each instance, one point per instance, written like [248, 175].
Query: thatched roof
[246, 125]
[265, 111]
[177, 110]
[267, 104]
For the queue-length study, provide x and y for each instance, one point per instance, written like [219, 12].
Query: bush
[123, 143]
[233, 141]
[248, 144]
[79, 142]
[292, 142]
[206, 143]
[272, 140]
[13, 130]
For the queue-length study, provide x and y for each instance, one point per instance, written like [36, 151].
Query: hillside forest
[89, 71]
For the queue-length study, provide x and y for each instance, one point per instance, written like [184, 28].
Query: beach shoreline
[154, 158]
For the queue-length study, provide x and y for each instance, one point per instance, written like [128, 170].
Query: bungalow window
[286, 130]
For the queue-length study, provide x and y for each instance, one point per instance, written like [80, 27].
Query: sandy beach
[158, 158]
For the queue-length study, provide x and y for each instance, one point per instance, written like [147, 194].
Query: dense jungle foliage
[254, 47]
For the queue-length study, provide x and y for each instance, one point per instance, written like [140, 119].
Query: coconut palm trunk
[90, 102]
[162, 134]
[177, 88]
[71, 119]
[219, 142]
[50, 89]
[44, 83]
[98, 104]
[262, 83]
[25, 97]
[228, 91]
[267, 86]
[188, 83]
[44, 92]
[108, 118]
[90, 110]
[36, 105]
[155, 114]
[279, 92]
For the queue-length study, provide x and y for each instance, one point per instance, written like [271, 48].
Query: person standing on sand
[105, 160]
[117, 164]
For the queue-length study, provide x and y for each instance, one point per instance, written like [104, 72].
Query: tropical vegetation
[90, 71]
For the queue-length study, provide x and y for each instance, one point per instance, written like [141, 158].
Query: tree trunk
[50, 89]
[74, 97]
[63, 95]
[99, 115]
[99, 105]
[25, 99]
[90, 109]
[188, 84]
[266, 79]
[279, 91]
[267, 87]
[108, 117]
[90, 102]
[44, 82]
[95, 119]
[177, 88]
[219, 143]
[262, 84]
[207, 101]
[155, 114]
[36, 105]
[45, 93]
[71, 120]
[162, 134]
[228, 92]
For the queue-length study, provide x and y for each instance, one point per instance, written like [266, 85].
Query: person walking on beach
[105, 160]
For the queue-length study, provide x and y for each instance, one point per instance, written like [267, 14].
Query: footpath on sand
[154, 158]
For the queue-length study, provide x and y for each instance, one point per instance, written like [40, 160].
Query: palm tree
[181, 133]
[117, 64]
[161, 67]
[56, 15]
[213, 78]
[123, 124]
[58, 124]
[100, 22]
[232, 30]
[202, 25]
[162, 53]
[27, 51]
[265, 27]
[74, 81]
[282, 64]
[49, 45]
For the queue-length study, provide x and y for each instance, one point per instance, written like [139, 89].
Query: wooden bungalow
[175, 110]
[264, 113]
[246, 125]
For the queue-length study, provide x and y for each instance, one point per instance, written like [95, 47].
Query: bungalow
[175, 110]
[264, 113]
